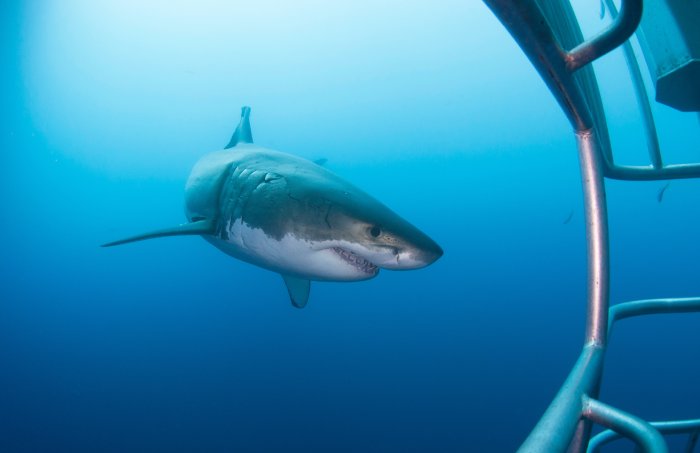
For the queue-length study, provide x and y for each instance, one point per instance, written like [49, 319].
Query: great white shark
[294, 217]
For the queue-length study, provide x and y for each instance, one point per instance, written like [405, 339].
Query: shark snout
[413, 256]
[431, 254]
[424, 250]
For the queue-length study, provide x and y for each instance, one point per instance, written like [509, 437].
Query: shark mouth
[356, 260]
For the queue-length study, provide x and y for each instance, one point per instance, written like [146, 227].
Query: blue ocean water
[170, 345]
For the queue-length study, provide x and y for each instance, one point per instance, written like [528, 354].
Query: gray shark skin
[293, 216]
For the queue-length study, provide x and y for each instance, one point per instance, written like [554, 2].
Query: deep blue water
[170, 345]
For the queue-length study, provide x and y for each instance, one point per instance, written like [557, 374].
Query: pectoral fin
[298, 289]
[205, 226]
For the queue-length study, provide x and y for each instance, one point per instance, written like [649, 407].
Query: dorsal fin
[242, 134]
[204, 226]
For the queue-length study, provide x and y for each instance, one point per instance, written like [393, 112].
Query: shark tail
[199, 227]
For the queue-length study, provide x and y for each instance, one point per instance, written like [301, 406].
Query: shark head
[295, 217]
[352, 231]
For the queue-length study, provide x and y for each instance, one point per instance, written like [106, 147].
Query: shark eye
[375, 231]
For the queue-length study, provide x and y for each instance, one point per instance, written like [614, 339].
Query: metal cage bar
[642, 433]
[653, 307]
[642, 97]
[690, 427]
[657, 170]
[565, 425]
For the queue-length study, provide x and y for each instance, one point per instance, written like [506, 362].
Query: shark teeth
[356, 260]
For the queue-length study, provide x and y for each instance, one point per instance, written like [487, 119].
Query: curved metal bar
[641, 94]
[641, 432]
[557, 426]
[563, 427]
[619, 31]
[649, 173]
[598, 251]
[598, 262]
[566, 29]
[669, 427]
[528, 26]
[657, 171]
[652, 307]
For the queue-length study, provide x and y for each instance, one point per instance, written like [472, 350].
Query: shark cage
[549, 33]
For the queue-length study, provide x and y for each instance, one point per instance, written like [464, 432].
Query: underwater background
[170, 345]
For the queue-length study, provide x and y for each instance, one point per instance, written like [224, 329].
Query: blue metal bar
[631, 173]
[556, 428]
[641, 432]
[653, 307]
[691, 427]
[559, 423]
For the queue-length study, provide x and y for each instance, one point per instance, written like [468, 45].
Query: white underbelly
[288, 255]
